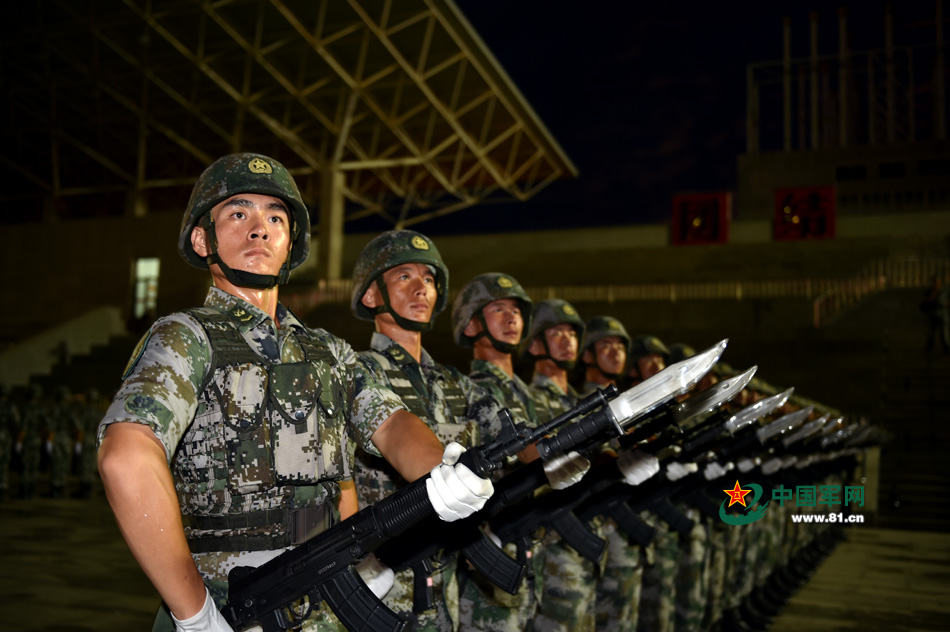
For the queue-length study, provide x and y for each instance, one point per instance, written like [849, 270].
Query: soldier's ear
[199, 241]
[587, 357]
[371, 297]
[473, 328]
[536, 348]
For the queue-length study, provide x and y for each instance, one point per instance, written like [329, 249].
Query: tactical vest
[446, 416]
[261, 429]
[518, 402]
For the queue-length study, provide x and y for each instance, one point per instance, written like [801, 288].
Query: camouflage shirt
[518, 397]
[454, 407]
[552, 401]
[257, 437]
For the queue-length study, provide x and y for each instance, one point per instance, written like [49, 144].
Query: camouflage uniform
[457, 410]
[62, 427]
[89, 420]
[219, 385]
[30, 441]
[483, 606]
[9, 422]
[569, 596]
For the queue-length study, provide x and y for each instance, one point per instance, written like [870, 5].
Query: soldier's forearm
[408, 444]
[139, 488]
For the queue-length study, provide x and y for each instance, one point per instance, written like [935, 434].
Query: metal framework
[393, 108]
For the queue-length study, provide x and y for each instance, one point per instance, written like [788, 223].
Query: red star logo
[737, 495]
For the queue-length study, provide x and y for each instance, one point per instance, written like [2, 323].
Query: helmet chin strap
[499, 345]
[387, 308]
[564, 365]
[243, 278]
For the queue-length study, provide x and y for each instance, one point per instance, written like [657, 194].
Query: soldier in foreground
[225, 442]
[401, 284]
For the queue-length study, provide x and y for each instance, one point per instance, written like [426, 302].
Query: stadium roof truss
[399, 99]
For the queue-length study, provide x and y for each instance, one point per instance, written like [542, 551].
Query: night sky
[647, 100]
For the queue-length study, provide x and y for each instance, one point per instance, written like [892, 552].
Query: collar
[245, 316]
[384, 344]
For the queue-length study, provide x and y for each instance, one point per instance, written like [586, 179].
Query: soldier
[647, 357]
[490, 315]
[89, 418]
[61, 427]
[227, 438]
[29, 440]
[401, 284]
[604, 352]
[9, 424]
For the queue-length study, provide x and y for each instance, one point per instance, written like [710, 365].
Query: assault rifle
[555, 510]
[280, 594]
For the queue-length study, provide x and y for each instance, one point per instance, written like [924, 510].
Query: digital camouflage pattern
[692, 579]
[456, 409]
[245, 173]
[658, 589]
[62, 428]
[602, 327]
[390, 249]
[30, 439]
[484, 607]
[211, 418]
[550, 400]
[618, 592]
[479, 292]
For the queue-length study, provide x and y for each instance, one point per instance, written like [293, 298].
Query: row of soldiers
[691, 571]
[240, 436]
[56, 433]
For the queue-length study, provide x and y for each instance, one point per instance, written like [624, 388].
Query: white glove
[677, 470]
[208, 619]
[77, 448]
[746, 465]
[637, 466]
[454, 490]
[48, 446]
[566, 469]
[713, 470]
[772, 466]
[18, 448]
[377, 576]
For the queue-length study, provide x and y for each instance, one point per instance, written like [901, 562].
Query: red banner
[701, 218]
[804, 213]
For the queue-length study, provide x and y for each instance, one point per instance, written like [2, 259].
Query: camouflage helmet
[679, 351]
[245, 173]
[647, 345]
[600, 327]
[391, 249]
[479, 292]
[551, 313]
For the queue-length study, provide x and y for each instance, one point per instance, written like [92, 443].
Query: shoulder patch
[136, 354]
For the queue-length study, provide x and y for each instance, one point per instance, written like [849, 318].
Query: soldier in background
[29, 440]
[9, 426]
[491, 315]
[604, 352]
[89, 418]
[62, 426]
[401, 284]
[226, 441]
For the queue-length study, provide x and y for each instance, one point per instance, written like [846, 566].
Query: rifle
[280, 594]
[555, 510]
[622, 502]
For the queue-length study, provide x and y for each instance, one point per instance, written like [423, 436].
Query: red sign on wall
[804, 213]
[701, 218]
